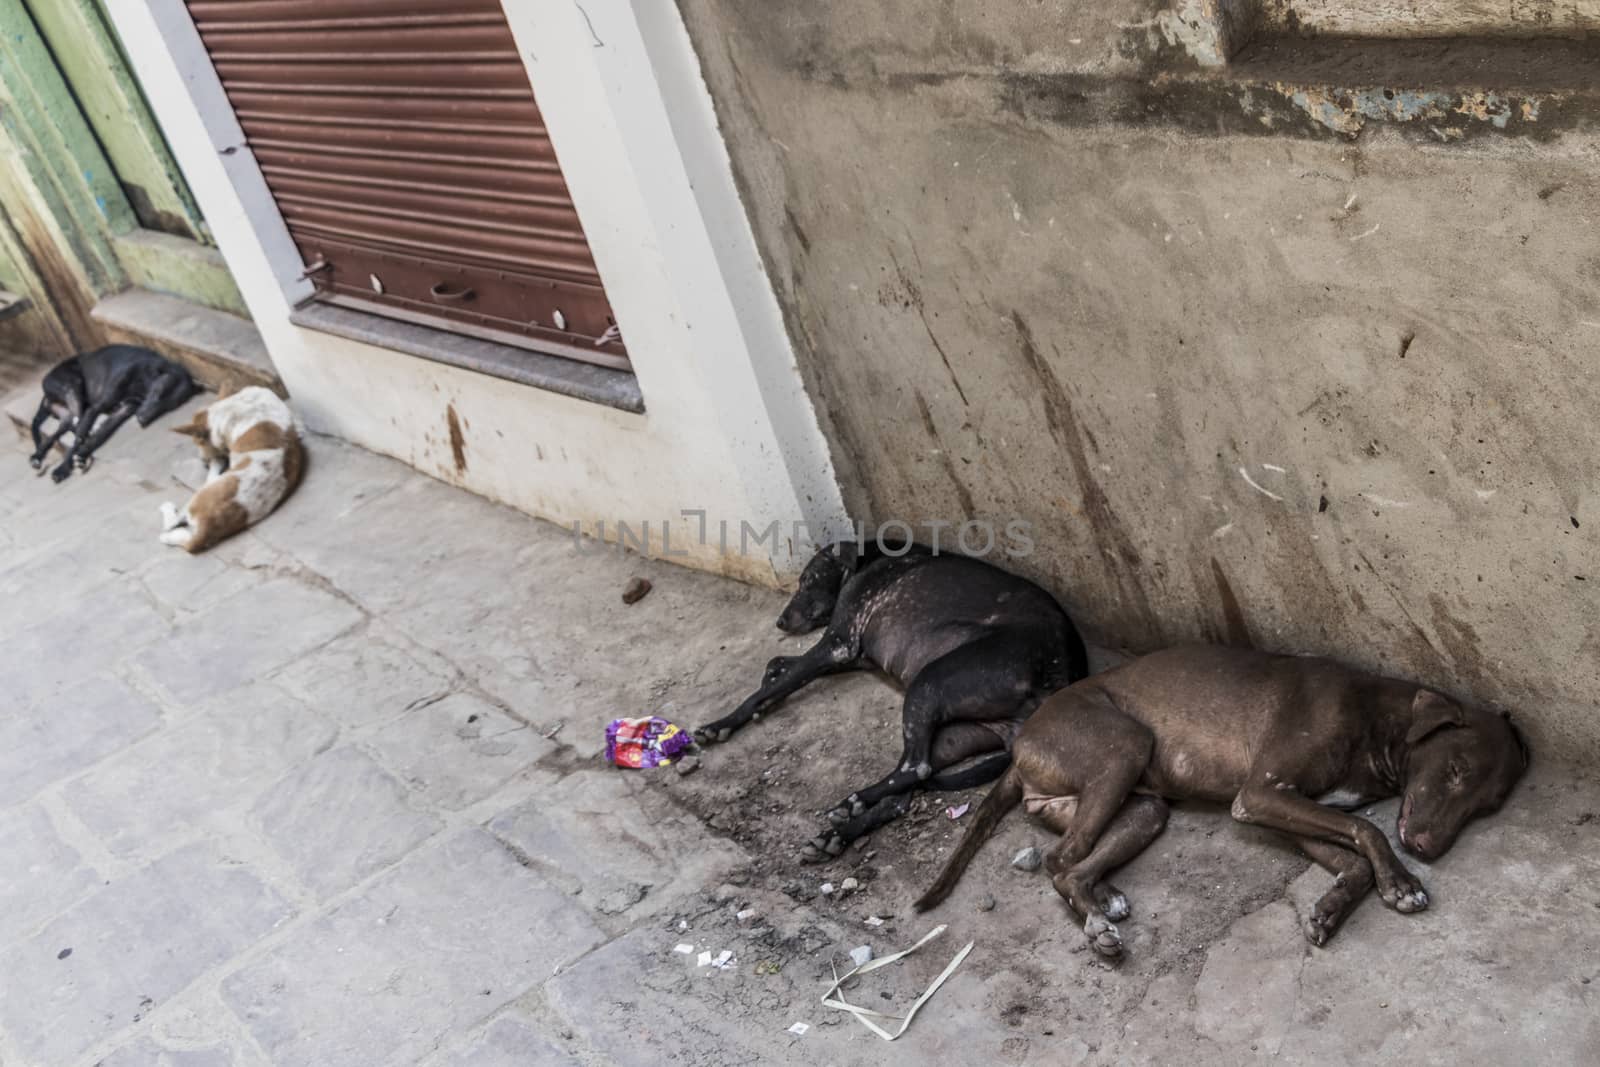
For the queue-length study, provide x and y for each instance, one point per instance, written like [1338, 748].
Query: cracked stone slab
[620, 848]
[367, 677]
[133, 944]
[245, 637]
[55, 874]
[58, 738]
[1247, 991]
[459, 750]
[198, 1031]
[186, 583]
[340, 818]
[509, 1042]
[444, 940]
[210, 763]
[47, 658]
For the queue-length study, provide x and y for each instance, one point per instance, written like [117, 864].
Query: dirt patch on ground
[767, 790]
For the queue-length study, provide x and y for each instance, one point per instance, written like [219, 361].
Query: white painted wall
[727, 428]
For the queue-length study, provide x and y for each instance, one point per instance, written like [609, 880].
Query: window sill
[581, 381]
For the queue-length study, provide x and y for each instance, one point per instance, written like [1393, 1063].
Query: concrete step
[220, 350]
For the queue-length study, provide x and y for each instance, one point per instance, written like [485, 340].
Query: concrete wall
[1308, 364]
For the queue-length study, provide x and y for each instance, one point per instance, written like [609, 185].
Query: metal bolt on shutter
[404, 148]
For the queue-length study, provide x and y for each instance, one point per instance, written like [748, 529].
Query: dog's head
[200, 429]
[1461, 763]
[812, 604]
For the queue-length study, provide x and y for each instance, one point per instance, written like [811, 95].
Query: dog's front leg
[1352, 878]
[828, 656]
[1268, 800]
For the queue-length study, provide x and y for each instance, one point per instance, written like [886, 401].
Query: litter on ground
[958, 810]
[834, 999]
[644, 743]
[799, 1029]
[684, 947]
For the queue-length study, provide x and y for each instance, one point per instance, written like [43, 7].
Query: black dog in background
[976, 649]
[108, 386]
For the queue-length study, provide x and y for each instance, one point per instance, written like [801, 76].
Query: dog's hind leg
[166, 392]
[42, 444]
[954, 753]
[979, 682]
[834, 839]
[1082, 884]
[1353, 877]
[83, 452]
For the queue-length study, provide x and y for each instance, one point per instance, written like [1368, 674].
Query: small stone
[827, 889]
[1028, 859]
[986, 903]
[861, 955]
[64, 953]
[746, 915]
[688, 765]
[849, 884]
[636, 590]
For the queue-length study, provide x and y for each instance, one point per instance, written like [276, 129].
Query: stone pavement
[330, 795]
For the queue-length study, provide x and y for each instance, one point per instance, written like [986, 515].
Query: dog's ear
[197, 427]
[849, 554]
[1516, 735]
[1430, 712]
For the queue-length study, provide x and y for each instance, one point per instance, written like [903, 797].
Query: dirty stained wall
[1304, 364]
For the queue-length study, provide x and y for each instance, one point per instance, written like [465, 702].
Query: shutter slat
[406, 152]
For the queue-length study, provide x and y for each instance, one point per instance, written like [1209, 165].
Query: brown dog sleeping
[1293, 743]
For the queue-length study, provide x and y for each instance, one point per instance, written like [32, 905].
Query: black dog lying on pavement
[975, 648]
[115, 382]
[1294, 743]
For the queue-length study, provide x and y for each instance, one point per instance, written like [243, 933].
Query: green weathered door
[91, 200]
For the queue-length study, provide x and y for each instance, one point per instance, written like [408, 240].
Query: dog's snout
[1421, 845]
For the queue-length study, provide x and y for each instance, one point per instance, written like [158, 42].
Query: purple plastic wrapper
[647, 742]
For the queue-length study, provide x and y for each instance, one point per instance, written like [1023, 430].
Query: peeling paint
[1208, 31]
[1347, 111]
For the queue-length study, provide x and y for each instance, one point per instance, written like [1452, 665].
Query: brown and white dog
[254, 460]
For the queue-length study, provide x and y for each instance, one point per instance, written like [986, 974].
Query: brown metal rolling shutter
[402, 143]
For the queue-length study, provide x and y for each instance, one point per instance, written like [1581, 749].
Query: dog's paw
[850, 807]
[61, 473]
[84, 462]
[36, 462]
[1403, 892]
[1103, 936]
[822, 848]
[1320, 926]
[1417, 900]
[713, 734]
[1111, 901]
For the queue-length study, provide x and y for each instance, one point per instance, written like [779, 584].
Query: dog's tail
[1006, 795]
